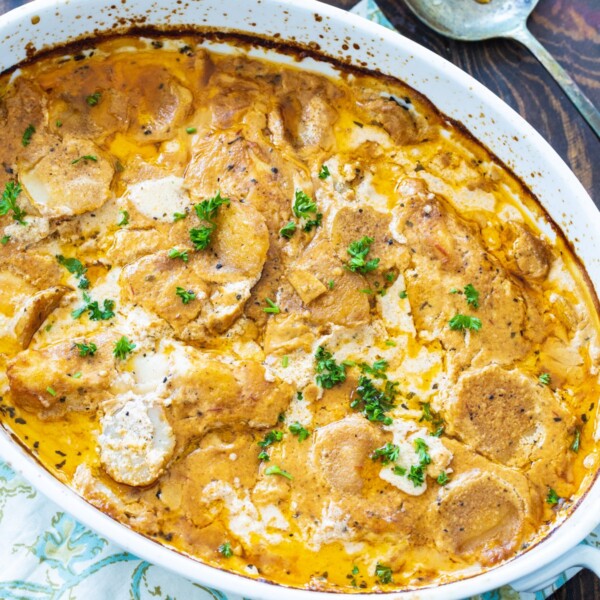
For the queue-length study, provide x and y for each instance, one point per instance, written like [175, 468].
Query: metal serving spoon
[469, 20]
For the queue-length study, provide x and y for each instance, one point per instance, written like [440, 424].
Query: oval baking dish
[328, 32]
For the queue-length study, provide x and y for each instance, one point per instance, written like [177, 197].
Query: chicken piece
[350, 225]
[72, 178]
[508, 417]
[136, 440]
[403, 124]
[210, 394]
[34, 312]
[345, 304]
[221, 276]
[448, 254]
[56, 379]
[529, 255]
[341, 450]
[158, 104]
[485, 511]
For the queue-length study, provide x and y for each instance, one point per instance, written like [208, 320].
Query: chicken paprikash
[299, 326]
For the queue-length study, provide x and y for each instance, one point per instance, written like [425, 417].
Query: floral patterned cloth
[47, 555]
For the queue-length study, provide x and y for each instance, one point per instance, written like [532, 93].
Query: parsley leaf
[174, 253]
[191, 130]
[93, 99]
[462, 322]
[207, 209]
[8, 202]
[358, 251]
[383, 573]
[377, 370]
[86, 349]
[225, 550]
[471, 295]
[433, 418]
[5, 239]
[544, 378]
[329, 373]
[297, 429]
[374, 403]
[324, 172]
[124, 220]
[270, 438]
[422, 450]
[177, 216]
[386, 454]
[552, 498]
[186, 295]
[403, 294]
[73, 265]
[287, 231]
[576, 441]
[416, 475]
[85, 158]
[29, 131]
[272, 308]
[398, 470]
[95, 313]
[201, 236]
[443, 478]
[303, 208]
[275, 470]
[123, 347]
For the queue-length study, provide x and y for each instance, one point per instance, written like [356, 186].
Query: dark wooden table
[570, 29]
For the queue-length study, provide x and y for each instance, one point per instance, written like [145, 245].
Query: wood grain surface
[570, 30]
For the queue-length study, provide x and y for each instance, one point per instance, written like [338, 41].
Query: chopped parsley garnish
[403, 294]
[443, 478]
[433, 418]
[93, 99]
[324, 172]
[297, 429]
[358, 251]
[271, 308]
[225, 550]
[329, 373]
[416, 475]
[471, 295]
[576, 441]
[303, 208]
[271, 438]
[86, 349]
[9, 201]
[454, 290]
[390, 343]
[398, 470]
[29, 131]
[287, 231]
[58, 123]
[206, 211]
[552, 498]
[123, 347]
[182, 254]
[373, 402]
[51, 391]
[422, 450]
[124, 220]
[383, 573]
[544, 378]
[331, 284]
[75, 267]
[178, 216]
[386, 454]
[285, 361]
[77, 375]
[186, 295]
[5, 239]
[85, 158]
[463, 322]
[191, 130]
[95, 313]
[377, 370]
[275, 470]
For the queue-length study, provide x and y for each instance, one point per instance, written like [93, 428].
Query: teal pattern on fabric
[47, 555]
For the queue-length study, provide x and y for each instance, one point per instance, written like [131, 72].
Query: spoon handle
[580, 100]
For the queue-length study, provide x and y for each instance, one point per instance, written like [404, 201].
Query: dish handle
[581, 555]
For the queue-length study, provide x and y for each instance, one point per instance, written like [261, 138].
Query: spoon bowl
[472, 20]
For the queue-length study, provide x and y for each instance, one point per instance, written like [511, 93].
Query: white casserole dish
[46, 23]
